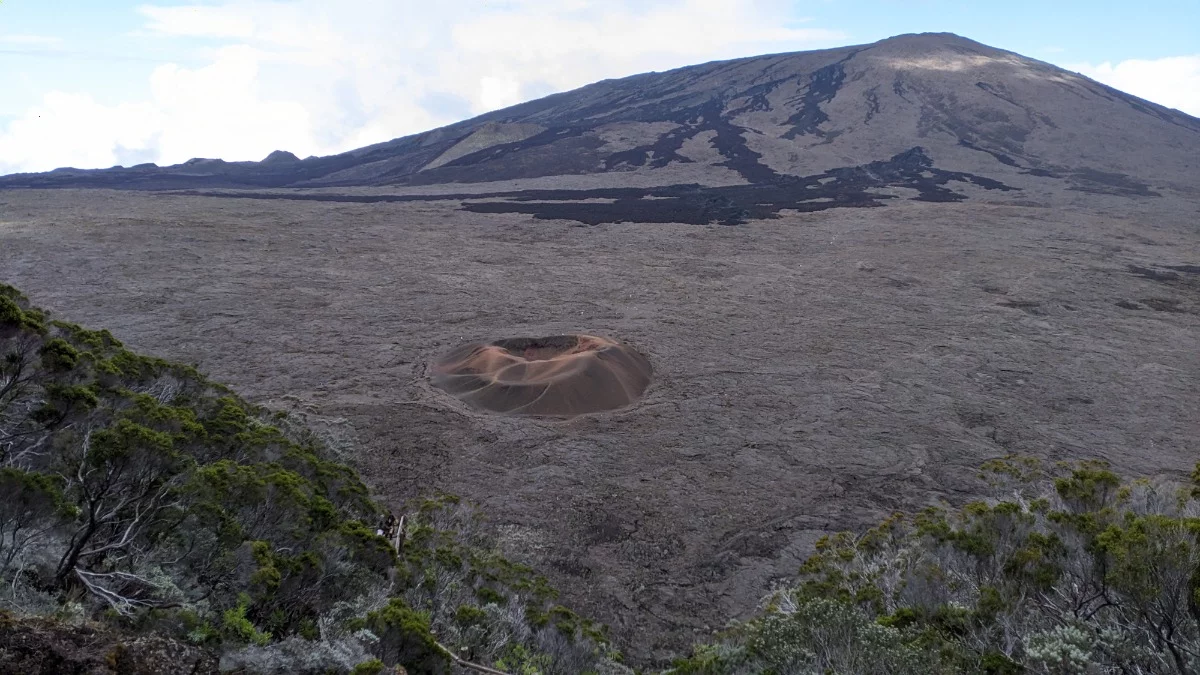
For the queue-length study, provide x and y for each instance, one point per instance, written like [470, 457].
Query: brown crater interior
[560, 375]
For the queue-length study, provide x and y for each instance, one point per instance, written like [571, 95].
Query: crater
[556, 376]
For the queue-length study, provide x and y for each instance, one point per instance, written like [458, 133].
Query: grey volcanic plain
[856, 275]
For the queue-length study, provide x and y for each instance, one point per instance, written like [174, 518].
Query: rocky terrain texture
[856, 274]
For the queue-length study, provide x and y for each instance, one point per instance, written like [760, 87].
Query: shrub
[1073, 571]
[58, 354]
[405, 639]
[236, 627]
[32, 505]
[174, 491]
[296, 656]
[372, 667]
[825, 635]
[14, 317]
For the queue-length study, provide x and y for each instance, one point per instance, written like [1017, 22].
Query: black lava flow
[700, 205]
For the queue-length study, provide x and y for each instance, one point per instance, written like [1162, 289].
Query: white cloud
[214, 111]
[1173, 81]
[316, 77]
[198, 21]
[499, 92]
[74, 130]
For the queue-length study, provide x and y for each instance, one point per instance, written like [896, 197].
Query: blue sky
[89, 83]
[1054, 30]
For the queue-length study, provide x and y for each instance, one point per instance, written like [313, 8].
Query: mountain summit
[939, 100]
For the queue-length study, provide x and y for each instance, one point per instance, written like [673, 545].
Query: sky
[98, 83]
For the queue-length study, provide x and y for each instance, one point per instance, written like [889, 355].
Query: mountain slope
[761, 120]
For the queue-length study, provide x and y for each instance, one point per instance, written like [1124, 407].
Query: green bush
[58, 354]
[372, 667]
[32, 506]
[405, 639]
[238, 629]
[1073, 571]
[13, 316]
[173, 488]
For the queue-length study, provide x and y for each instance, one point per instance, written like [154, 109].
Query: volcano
[833, 284]
[734, 140]
[561, 375]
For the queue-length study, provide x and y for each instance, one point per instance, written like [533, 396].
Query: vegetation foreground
[154, 522]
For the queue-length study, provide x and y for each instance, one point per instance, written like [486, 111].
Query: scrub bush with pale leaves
[1068, 569]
